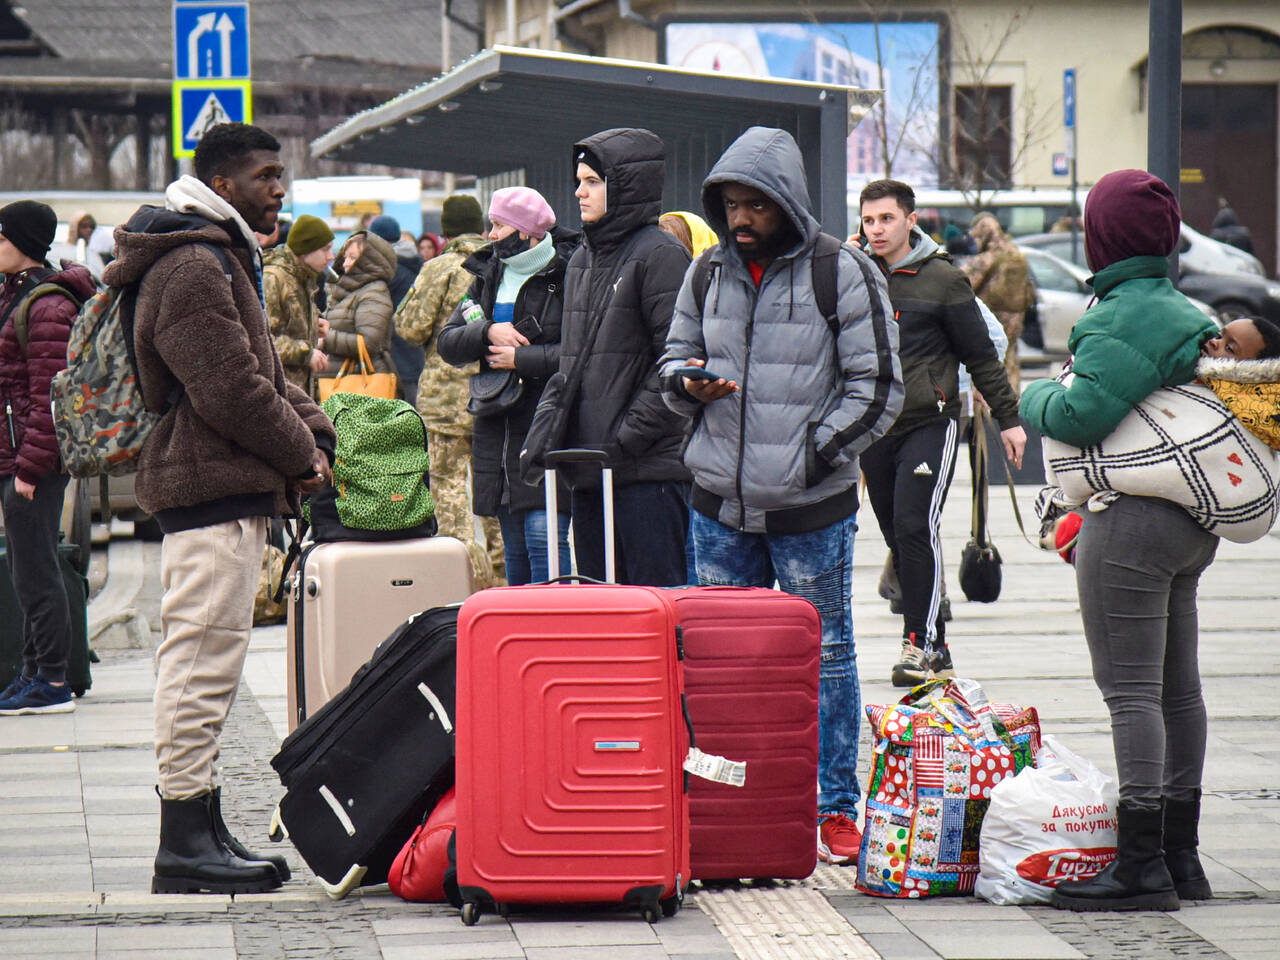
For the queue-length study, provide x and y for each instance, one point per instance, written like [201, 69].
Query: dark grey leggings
[1137, 566]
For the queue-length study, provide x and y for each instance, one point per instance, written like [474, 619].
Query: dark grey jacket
[781, 454]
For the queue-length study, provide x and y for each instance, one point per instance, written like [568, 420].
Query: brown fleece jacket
[240, 428]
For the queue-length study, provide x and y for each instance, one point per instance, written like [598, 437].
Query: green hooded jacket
[1140, 335]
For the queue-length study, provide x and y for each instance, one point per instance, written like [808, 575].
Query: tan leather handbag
[365, 381]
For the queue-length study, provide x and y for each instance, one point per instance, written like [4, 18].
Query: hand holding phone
[703, 385]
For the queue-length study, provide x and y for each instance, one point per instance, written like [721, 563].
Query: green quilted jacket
[1140, 335]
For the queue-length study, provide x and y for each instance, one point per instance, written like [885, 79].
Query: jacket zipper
[742, 410]
[8, 415]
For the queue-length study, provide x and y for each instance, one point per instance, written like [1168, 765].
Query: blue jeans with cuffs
[818, 566]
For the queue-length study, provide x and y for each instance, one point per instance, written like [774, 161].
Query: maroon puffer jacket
[24, 381]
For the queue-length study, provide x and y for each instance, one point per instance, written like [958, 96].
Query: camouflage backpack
[98, 413]
[380, 485]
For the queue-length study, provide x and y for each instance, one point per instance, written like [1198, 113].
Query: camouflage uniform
[289, 288]
[998, 274]
[442, 401]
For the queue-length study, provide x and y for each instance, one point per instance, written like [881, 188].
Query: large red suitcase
[570, 745]
[751, 659]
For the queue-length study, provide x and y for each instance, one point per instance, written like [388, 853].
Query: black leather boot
[1181, 819]
[1136, 880]
[191, 859]
[235, 846]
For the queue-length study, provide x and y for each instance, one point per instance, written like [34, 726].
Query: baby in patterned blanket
[1242, 366]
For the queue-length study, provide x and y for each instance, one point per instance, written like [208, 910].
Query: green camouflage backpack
[98, 414]
[380, 470]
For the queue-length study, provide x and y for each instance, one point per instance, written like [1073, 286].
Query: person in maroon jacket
[31, 478]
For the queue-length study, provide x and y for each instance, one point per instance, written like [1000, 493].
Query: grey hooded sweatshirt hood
[780, 455]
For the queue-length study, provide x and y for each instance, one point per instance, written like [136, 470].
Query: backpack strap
[702, 270]
[826, 275]
[21, 315]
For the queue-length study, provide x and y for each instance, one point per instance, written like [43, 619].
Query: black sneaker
[39, 696]
[940, 664]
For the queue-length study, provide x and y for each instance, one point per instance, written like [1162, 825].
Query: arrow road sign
[211, 40]
[199, 105]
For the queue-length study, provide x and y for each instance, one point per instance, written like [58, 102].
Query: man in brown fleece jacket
[237, 444]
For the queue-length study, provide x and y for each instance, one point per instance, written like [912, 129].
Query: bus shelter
[518, 112]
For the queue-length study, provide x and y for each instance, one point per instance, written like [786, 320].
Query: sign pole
[1069, 121]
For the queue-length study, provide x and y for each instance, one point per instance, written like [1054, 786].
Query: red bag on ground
[417, 873]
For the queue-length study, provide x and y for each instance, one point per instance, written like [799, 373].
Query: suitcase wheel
[470, 913]
[670, 906]
[650, 915]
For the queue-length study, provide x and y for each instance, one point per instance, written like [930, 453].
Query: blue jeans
[819, 567]
[524, 540]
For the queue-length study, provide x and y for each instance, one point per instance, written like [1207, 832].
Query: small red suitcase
[751, 659]
[570, 745]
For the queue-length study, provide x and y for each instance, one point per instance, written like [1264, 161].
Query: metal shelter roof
[508, 108]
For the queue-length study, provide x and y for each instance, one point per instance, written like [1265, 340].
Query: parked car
[1062, 295]
[1231, 294]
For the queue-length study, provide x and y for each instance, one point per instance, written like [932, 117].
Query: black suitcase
[78, 675]
[361, 771]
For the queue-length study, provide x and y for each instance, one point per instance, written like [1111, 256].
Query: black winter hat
[461, 214]
[29, 226]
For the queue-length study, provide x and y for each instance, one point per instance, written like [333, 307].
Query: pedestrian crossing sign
[201, 104]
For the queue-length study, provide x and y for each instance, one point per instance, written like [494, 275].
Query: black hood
[632, 162]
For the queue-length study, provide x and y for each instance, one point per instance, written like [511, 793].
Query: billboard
[900, 57]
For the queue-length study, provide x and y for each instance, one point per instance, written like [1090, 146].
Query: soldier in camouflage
[998, 275]
[291, 274]
[443, 390]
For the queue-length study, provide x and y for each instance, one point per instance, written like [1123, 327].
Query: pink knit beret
[523, 208]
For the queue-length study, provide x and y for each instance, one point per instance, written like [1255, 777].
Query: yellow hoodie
[703, 236]
[1250, 389]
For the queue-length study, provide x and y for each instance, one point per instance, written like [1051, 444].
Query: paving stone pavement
[78, 819]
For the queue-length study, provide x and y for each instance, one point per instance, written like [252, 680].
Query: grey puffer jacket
[781, 454]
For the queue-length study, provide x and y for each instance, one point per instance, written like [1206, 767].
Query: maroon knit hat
[1129, 213]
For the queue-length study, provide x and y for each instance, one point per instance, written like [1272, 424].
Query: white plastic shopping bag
[1052, 822]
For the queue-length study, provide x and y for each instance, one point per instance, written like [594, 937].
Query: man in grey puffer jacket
[774, 453]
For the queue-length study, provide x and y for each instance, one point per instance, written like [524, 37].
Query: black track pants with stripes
[907, 480]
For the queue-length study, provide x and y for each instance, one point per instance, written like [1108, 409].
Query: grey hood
[923, 247]
[769, 160]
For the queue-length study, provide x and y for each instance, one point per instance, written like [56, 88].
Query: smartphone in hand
[697, 373]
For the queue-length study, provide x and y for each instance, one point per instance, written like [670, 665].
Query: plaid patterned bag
[938, 753]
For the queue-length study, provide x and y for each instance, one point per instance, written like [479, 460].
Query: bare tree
[991, 138]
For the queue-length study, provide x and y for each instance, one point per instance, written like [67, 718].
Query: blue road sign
[1068, 98]
[1060, 166]
[198, 105]
[211, 41]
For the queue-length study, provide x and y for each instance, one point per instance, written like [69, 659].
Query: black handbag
[980, 576]
[494, 392]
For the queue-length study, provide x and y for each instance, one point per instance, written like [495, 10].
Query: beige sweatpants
[209, 576]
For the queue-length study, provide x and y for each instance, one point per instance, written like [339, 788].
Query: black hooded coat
[627, 272]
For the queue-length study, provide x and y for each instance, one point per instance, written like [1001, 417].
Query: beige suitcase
[348, 596]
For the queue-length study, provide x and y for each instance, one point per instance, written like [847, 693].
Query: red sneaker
[838, 839]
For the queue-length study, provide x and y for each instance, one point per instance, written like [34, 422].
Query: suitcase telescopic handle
[553, 459]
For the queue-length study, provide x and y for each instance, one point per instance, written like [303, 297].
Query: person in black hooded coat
[622, 284]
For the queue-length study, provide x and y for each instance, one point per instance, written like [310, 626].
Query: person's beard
[767, 248]
[509, 246]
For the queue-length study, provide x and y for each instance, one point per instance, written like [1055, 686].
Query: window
[984, 136]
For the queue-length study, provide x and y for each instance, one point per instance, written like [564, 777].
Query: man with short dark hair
[236, 444]
[909, 469]
[796, 397]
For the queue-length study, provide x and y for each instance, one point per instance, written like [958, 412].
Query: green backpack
[380, 481]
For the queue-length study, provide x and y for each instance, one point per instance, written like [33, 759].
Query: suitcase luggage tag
[717, 769]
